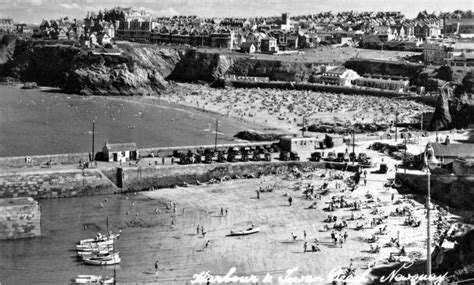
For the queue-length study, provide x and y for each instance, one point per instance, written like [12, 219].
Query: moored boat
[110, 260]
[100, 238]
[93, 279]
[94, 245]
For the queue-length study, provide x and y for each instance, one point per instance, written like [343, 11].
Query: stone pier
[19, 218]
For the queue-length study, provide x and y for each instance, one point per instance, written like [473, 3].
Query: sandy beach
[285, 109]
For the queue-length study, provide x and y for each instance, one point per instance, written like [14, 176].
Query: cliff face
[138, 70]
[455, 191]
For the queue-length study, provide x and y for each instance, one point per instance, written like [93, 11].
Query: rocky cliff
[138, 70]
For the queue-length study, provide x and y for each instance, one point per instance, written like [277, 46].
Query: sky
[33, 11]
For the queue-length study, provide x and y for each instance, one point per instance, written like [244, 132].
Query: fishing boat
[108, 259]
[100, 238]
[93, 279]
[251, 230]
[94, 245]
[102, 250]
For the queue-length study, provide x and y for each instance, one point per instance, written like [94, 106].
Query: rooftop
[121, 146]
[453, 149]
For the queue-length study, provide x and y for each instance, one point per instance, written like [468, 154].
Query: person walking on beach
[156, 268]
[197, 229]
[222, 212]
[365, 181]
[304, 234]
[226, 212]
[290, 200]
[163, 160]
[258, 194]
[305, 246]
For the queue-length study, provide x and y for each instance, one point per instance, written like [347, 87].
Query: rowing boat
[103, 260]
[248, 231]
[93, 279]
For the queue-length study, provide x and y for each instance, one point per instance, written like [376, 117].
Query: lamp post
[428, 227]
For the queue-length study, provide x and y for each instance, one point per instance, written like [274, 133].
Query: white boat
[100, 251]
[248, 231]
[110, 260]
[100, 238]
[93, 279]
[93, 245]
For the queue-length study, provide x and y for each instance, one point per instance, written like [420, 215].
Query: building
[120, 152]
[339, 76]
[436, 52]
[297, 144]
[447, 152]
[269, 45]
[459, 27]
[6, 25]
[398, 84]
[248, 47]
[462, 55]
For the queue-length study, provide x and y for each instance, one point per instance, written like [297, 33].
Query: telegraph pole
[396, 128]
[93, 139]
[215, 141]
[353, 144]
[428, 238]
[302, 132]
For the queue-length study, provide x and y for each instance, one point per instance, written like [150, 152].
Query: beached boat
[103, 260]
[248, 231]
[93, 279]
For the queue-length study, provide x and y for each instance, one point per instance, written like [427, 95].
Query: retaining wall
[454, 190]
[137, 178]
[19, 218]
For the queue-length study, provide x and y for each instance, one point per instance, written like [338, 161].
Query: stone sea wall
[19, 218]
[454, 190]
[55, 183]
[168, 176]
[71, 183]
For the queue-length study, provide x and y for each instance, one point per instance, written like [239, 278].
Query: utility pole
[93, 139]
[302, 132]
[396, 128]
[428, 227]
[405, 157]
[215, 141]
[421, 123]
[353, 144]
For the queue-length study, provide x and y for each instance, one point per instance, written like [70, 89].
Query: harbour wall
[72, 183]
[55, 183]
[169, 176]
[454, 190]
[74, 158]
[19, 218]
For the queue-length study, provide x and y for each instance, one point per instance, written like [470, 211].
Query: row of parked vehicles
[232, 154]
[362, 159]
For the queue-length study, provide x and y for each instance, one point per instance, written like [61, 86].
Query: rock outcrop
[441, 117]
[137, 70]
[459, 260]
